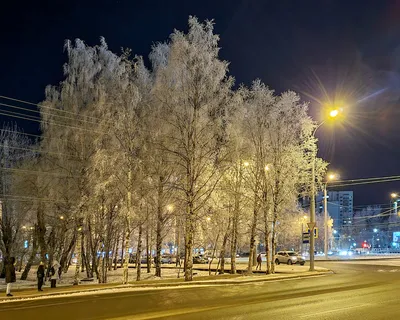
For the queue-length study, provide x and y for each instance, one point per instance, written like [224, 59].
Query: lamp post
[311, 225]
[330, 177]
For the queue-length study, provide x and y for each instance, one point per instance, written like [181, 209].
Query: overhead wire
[47, 107]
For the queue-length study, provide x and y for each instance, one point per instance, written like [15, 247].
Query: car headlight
[293, 258]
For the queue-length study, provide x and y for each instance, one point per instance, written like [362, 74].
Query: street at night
[356, 290]
[205, 159]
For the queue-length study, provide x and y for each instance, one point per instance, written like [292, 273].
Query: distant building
[340, 208]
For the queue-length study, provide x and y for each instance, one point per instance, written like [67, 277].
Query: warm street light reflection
[394, 195]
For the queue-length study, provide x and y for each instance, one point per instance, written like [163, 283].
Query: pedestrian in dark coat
[40, 276]
[259, 260]
[10, 274]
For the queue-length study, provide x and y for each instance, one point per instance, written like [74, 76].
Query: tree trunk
[148, 251]
[78, 257]
[158, 245]
[253, 237]
[189, 243]
[139, 253]
[177, 242]
[235, 221]
[116, 254]
[125, 277]
[32, 256]
[64, 261]
[223, 249]
[273, 246]
[41, 232]
[267, 246]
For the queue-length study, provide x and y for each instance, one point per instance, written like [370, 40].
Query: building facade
[340, 209]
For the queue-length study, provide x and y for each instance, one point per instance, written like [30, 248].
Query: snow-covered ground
[114, 276]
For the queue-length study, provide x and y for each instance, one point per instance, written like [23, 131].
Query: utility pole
[325, 222]
[311, 224]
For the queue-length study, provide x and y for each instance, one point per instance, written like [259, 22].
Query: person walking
[40, 276]
[259, 260]
[10, 275]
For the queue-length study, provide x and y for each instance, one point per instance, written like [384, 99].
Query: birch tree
[195, 90]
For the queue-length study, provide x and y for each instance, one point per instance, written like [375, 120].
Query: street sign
[311, 225]
[306, 237]
[315, 233]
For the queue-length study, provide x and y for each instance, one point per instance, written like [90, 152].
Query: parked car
[289, 257]
[166, 258]
[200, 259]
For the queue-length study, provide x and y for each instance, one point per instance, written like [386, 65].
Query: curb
[167, 285]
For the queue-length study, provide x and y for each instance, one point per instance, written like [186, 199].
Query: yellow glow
[331, 176]
[62, 217]
[267, 167]
[393, 195]
[305, 217]
[23, 227]
[333, 113]
[170, 207]
[246, 164]
[208, 219]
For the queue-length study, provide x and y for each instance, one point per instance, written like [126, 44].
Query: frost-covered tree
[15, 149]
[195, 91]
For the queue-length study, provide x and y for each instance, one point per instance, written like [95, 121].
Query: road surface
[357, 290]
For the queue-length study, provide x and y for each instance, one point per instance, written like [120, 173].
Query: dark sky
[350, 49]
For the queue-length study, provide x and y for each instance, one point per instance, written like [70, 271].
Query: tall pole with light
[332, 114]
[330, 177]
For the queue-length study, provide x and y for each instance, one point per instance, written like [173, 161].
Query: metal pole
[302, 239]
[312, 213]
[326, 221]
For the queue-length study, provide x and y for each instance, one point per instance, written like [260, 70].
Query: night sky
[348, 49]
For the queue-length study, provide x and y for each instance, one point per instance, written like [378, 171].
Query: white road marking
[310, 315]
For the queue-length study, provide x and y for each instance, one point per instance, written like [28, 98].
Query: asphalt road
[356, 291]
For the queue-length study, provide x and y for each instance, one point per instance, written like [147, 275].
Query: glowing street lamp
[332, 114]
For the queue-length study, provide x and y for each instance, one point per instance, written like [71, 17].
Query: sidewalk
[285, 273]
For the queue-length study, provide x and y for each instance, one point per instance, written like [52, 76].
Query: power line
[47, 107]
[41, 172]
[40, 151]
[24, 117]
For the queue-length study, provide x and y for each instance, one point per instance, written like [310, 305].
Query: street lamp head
[331, 176]
[267, 167]
[246, 163]
[333, 113]
[170, 207]
[208, 219]
[375, 230]
[394, 195]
